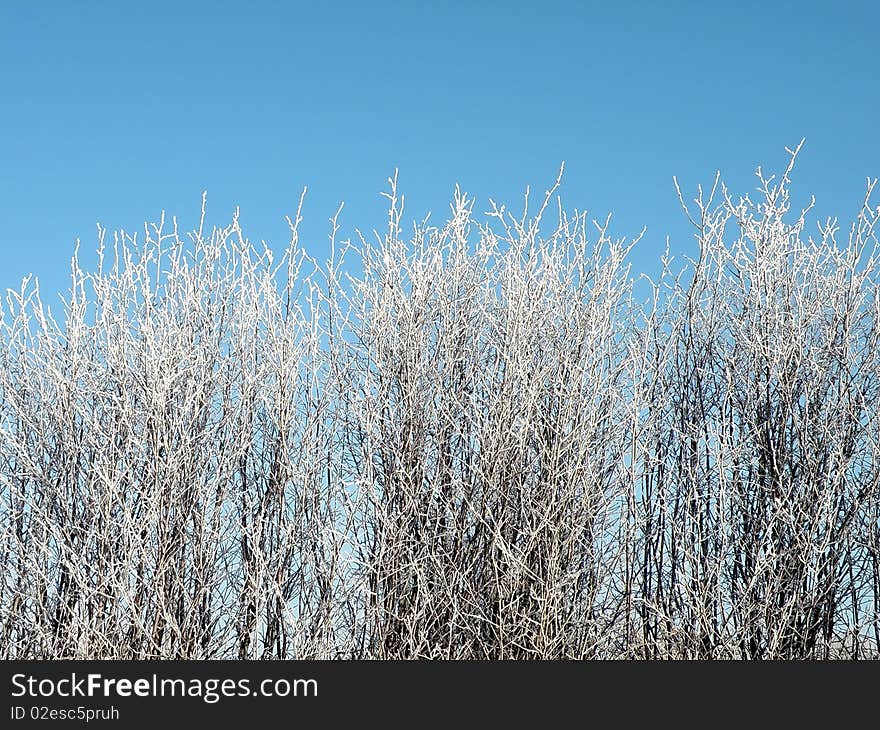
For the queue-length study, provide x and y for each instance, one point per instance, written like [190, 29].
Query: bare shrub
[762, 472]
[167, 482]
[490, 403]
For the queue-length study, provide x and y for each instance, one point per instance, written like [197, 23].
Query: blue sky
[114, 111]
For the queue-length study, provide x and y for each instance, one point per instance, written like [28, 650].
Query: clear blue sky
[113, 111]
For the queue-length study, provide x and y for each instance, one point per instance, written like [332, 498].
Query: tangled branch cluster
[475, 443]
